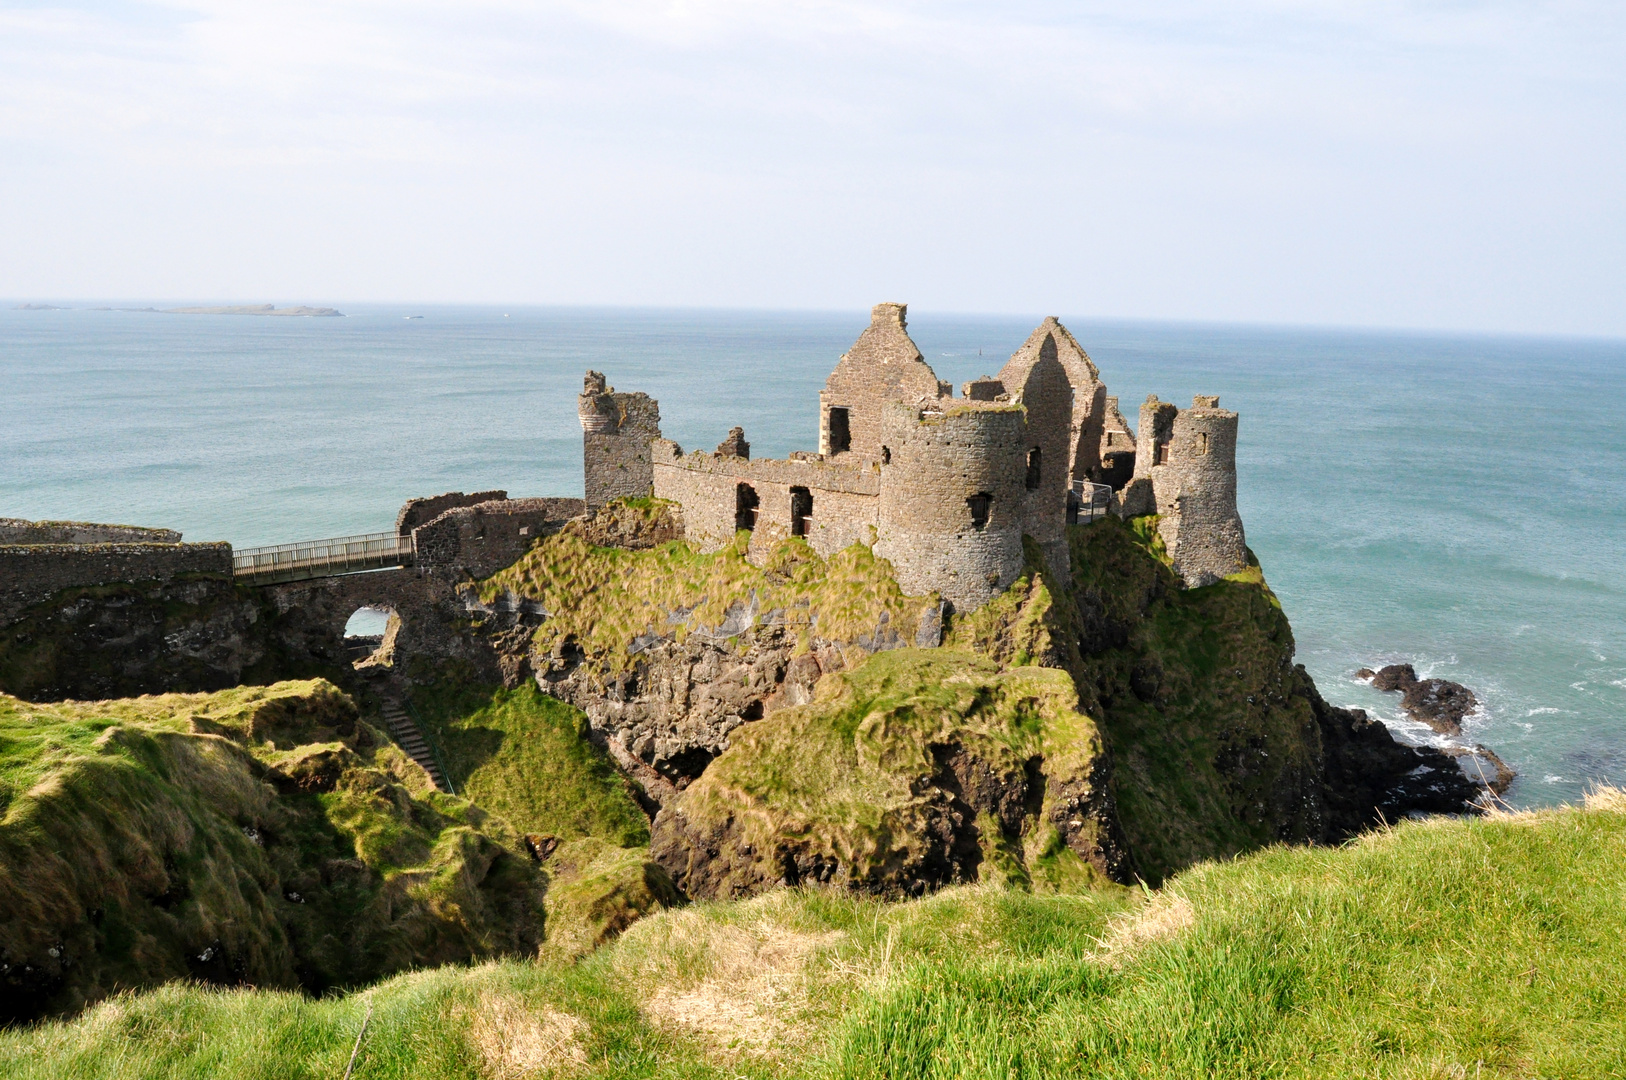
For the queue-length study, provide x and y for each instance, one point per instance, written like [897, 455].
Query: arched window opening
[1032, 480]
[801, 511]
[886, 455]
[745, 507]
[841, 435]
[980, 505]
[369, 637]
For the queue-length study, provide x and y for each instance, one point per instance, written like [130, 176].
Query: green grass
[526, 757]
[1448, 948]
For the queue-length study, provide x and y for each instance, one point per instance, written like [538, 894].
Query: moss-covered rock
[596, 890]
[261, 835]
[920, 768]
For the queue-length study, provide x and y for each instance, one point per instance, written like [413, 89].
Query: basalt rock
[1439, 703]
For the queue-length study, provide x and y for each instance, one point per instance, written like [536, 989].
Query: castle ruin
[943, 487]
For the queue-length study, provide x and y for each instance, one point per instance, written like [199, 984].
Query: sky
[1445, 165]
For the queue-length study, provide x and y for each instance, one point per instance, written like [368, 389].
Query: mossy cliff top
[262, 835]
[918, 769]
[607, 599]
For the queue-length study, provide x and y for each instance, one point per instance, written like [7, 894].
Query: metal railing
[1090, 501]
[321, 558]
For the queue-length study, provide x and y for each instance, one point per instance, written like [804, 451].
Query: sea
[1453, 501]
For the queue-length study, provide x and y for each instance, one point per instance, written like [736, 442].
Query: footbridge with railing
[321, 558]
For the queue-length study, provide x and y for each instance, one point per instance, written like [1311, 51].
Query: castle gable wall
[883, 366]
[1036, 380]
[1089, 396]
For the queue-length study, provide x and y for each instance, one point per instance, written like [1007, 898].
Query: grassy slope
[1450, 948]
[1195, 691]
[262, 834]
[850, 778]
[525, 756]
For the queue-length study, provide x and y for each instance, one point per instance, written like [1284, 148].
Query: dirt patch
[1162, 919]
[517, 1040]
[741, 989]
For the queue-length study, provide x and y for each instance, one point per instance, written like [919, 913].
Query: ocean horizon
[1452, 500]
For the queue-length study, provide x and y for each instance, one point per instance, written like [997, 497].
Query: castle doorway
[369, 636]
[745, 507]
[801, 511]
[1033, 470]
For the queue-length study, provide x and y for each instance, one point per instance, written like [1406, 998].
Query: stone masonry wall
[845, 496]
[1089, 395]
[422, 511]
[18, 531]
[30, 574]
[616, 432]
[938, 462]
[488, 536]
[883, 366]
[1036, 380]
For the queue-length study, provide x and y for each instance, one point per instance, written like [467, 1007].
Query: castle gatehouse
[945, 487]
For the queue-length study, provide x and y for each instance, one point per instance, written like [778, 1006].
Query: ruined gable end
[882, 367]
[617, 430]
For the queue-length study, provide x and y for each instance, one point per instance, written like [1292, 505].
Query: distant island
[254, 309]
[230, 309]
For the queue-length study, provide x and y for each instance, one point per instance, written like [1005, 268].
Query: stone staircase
[406, 733]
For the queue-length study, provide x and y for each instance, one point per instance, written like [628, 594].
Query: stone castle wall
[883, 366]
[616, 432]
[1036, 380]
[1185, 472]
[18, 531]
[483, 538]
[845, 495]
[32, 573]
[937, 463]
[418, 512]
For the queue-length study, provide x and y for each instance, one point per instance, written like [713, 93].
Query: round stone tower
[1195, 489]
[952, 495]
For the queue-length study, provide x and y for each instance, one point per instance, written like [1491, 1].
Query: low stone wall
[31, 573]
[489, 536]
[418, 512]
[18, 531]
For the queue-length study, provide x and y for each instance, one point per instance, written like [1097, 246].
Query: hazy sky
[1386, 163]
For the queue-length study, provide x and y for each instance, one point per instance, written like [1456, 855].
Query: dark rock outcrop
[1439, 703]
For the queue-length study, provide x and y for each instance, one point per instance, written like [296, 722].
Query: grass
[859, 779]
[604, 598]
[263, 834]
[525, 756]
[1447, 948]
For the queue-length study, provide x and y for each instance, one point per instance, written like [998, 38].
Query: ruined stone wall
[883, 366]
[1185, 472]
[30, 574]
[1117, 451]
[1196, 495]
[422, 511]
[18, 531]
[937, 463]
[616, 432]
[1089, 396]
[483, 538]
[1036, 380]
[845, 495]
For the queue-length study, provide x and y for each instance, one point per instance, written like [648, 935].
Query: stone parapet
[18, 531]
[31, 573]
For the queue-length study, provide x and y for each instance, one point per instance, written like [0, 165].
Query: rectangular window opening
[980, 504]
[801, 511]
[841, 435]
[745, 507]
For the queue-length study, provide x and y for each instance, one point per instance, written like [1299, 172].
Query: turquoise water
[1455, 502]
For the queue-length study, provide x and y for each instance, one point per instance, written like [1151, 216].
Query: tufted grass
[1446, 948]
